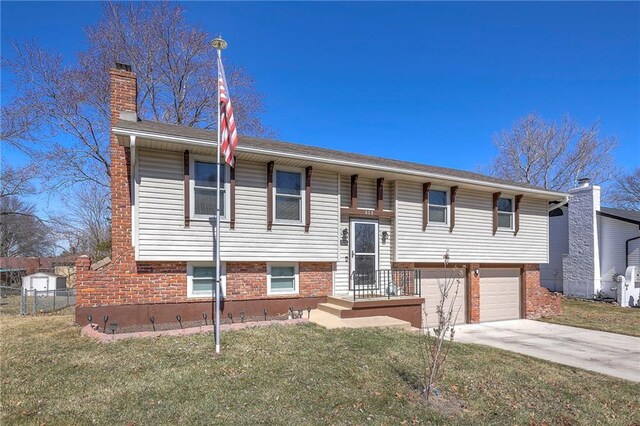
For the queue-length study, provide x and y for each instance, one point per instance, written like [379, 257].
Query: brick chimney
[123, 90]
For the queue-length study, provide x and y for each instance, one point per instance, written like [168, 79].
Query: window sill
[437, 225]
[504, 231]
[282, 293]
[289, 223]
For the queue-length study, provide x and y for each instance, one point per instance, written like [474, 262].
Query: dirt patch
[447, 405]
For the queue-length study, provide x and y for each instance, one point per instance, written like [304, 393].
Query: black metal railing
[385, 283]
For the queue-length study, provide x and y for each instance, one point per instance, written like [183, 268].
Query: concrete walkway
[607, 353]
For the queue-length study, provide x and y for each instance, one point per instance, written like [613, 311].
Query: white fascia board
[553, 195]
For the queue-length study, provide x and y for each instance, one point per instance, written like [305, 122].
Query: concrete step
[332, 309]
[330, 321]
[344, 302]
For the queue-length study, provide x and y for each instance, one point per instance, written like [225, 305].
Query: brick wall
[166, 282]
[538, 301]
[473, 282]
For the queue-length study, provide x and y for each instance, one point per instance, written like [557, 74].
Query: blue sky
[427, 82]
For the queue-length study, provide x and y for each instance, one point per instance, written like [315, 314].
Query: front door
[364, 253]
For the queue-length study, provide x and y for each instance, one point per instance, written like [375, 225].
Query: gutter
[560, 204]
[210, 144]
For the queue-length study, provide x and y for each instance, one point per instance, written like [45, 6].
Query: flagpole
[219, 44]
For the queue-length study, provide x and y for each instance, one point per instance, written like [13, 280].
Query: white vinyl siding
[472, 239]
[367, 193]
[612, 237]
[551, 273]
[164, 237]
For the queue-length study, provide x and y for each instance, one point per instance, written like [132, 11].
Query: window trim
[303, 191]
[296, 283]
[192, 186]
[512, 213]
[223, 280]
[447, 206]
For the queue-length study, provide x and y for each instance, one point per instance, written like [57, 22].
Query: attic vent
[123, 67]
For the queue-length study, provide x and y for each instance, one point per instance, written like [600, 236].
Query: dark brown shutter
[354, 191]
[269, 195]
[380, 194]
[496, 197]
[187, 191]
[452, 212]
[516, 214]
[425, 204]
[307, 196]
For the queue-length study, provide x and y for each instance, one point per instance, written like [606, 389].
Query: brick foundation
[537, 301]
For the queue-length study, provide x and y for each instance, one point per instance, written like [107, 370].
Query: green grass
[598, 316]
[283, 375]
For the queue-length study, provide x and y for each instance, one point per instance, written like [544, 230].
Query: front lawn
[285, 375]
[598, 316]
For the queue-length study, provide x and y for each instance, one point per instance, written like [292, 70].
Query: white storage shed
[43, 281]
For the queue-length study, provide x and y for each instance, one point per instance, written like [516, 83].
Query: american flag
[228, 132]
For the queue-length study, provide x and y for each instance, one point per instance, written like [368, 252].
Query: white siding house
[595, 253]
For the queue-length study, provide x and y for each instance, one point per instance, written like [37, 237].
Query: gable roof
[154, 128]
[621, 214]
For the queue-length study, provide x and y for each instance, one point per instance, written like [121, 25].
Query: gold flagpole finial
[219, 43]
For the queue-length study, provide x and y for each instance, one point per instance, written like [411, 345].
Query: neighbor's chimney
[583, 182]
[123, 91]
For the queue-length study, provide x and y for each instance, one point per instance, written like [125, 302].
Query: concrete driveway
[607, 353]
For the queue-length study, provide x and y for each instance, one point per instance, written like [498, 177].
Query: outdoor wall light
[385, 236]
[476, 272]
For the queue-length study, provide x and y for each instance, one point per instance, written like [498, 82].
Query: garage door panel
[431, 281]
[499, 294]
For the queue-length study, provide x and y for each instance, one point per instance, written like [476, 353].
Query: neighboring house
[588, 244]
[42, 281]
[305, 227]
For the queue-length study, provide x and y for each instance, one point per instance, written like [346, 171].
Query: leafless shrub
[433, 339]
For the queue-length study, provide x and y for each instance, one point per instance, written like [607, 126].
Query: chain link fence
[14, 301]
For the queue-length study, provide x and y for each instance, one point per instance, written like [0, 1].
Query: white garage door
[432, 280]
[499, 294]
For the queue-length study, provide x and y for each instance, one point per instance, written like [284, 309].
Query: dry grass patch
[598, 316]
[282, 375]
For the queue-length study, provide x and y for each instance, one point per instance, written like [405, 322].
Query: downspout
[626, 259]
[132, 191]
[560, 204]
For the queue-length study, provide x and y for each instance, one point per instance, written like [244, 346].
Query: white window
[282, 278]
[201, 277]
[203, 189]
[289, 196]
[438, 206]
[505, 213]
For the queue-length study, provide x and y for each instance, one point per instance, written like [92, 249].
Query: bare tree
[553, 155]
[434, 345]
[85, 225]
[61, 113]
[625, 191]
[22, 233]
